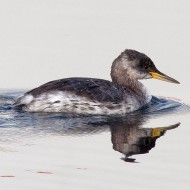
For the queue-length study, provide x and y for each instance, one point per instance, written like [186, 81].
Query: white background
[44, 40]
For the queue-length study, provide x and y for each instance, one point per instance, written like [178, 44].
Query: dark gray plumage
[91, 88]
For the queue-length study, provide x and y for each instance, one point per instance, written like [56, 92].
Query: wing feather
[93, 89]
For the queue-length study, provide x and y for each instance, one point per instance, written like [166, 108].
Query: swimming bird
[91, 96]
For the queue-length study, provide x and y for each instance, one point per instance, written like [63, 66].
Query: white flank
[73, 104]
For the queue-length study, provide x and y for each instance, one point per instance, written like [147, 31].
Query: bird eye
[145, 64]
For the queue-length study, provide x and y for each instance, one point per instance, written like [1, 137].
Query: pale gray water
[146, 149]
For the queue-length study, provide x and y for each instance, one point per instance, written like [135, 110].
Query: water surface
[146, 149]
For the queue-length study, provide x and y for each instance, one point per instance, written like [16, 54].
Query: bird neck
[122, 79]
[131, 84]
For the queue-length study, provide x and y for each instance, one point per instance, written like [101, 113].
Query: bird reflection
[131, 139]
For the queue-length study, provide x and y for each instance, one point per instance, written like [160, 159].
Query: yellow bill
[162, 76]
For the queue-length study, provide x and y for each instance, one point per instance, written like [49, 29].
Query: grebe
[91, 96]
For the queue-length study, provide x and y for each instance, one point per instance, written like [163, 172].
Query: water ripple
[9, 117]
